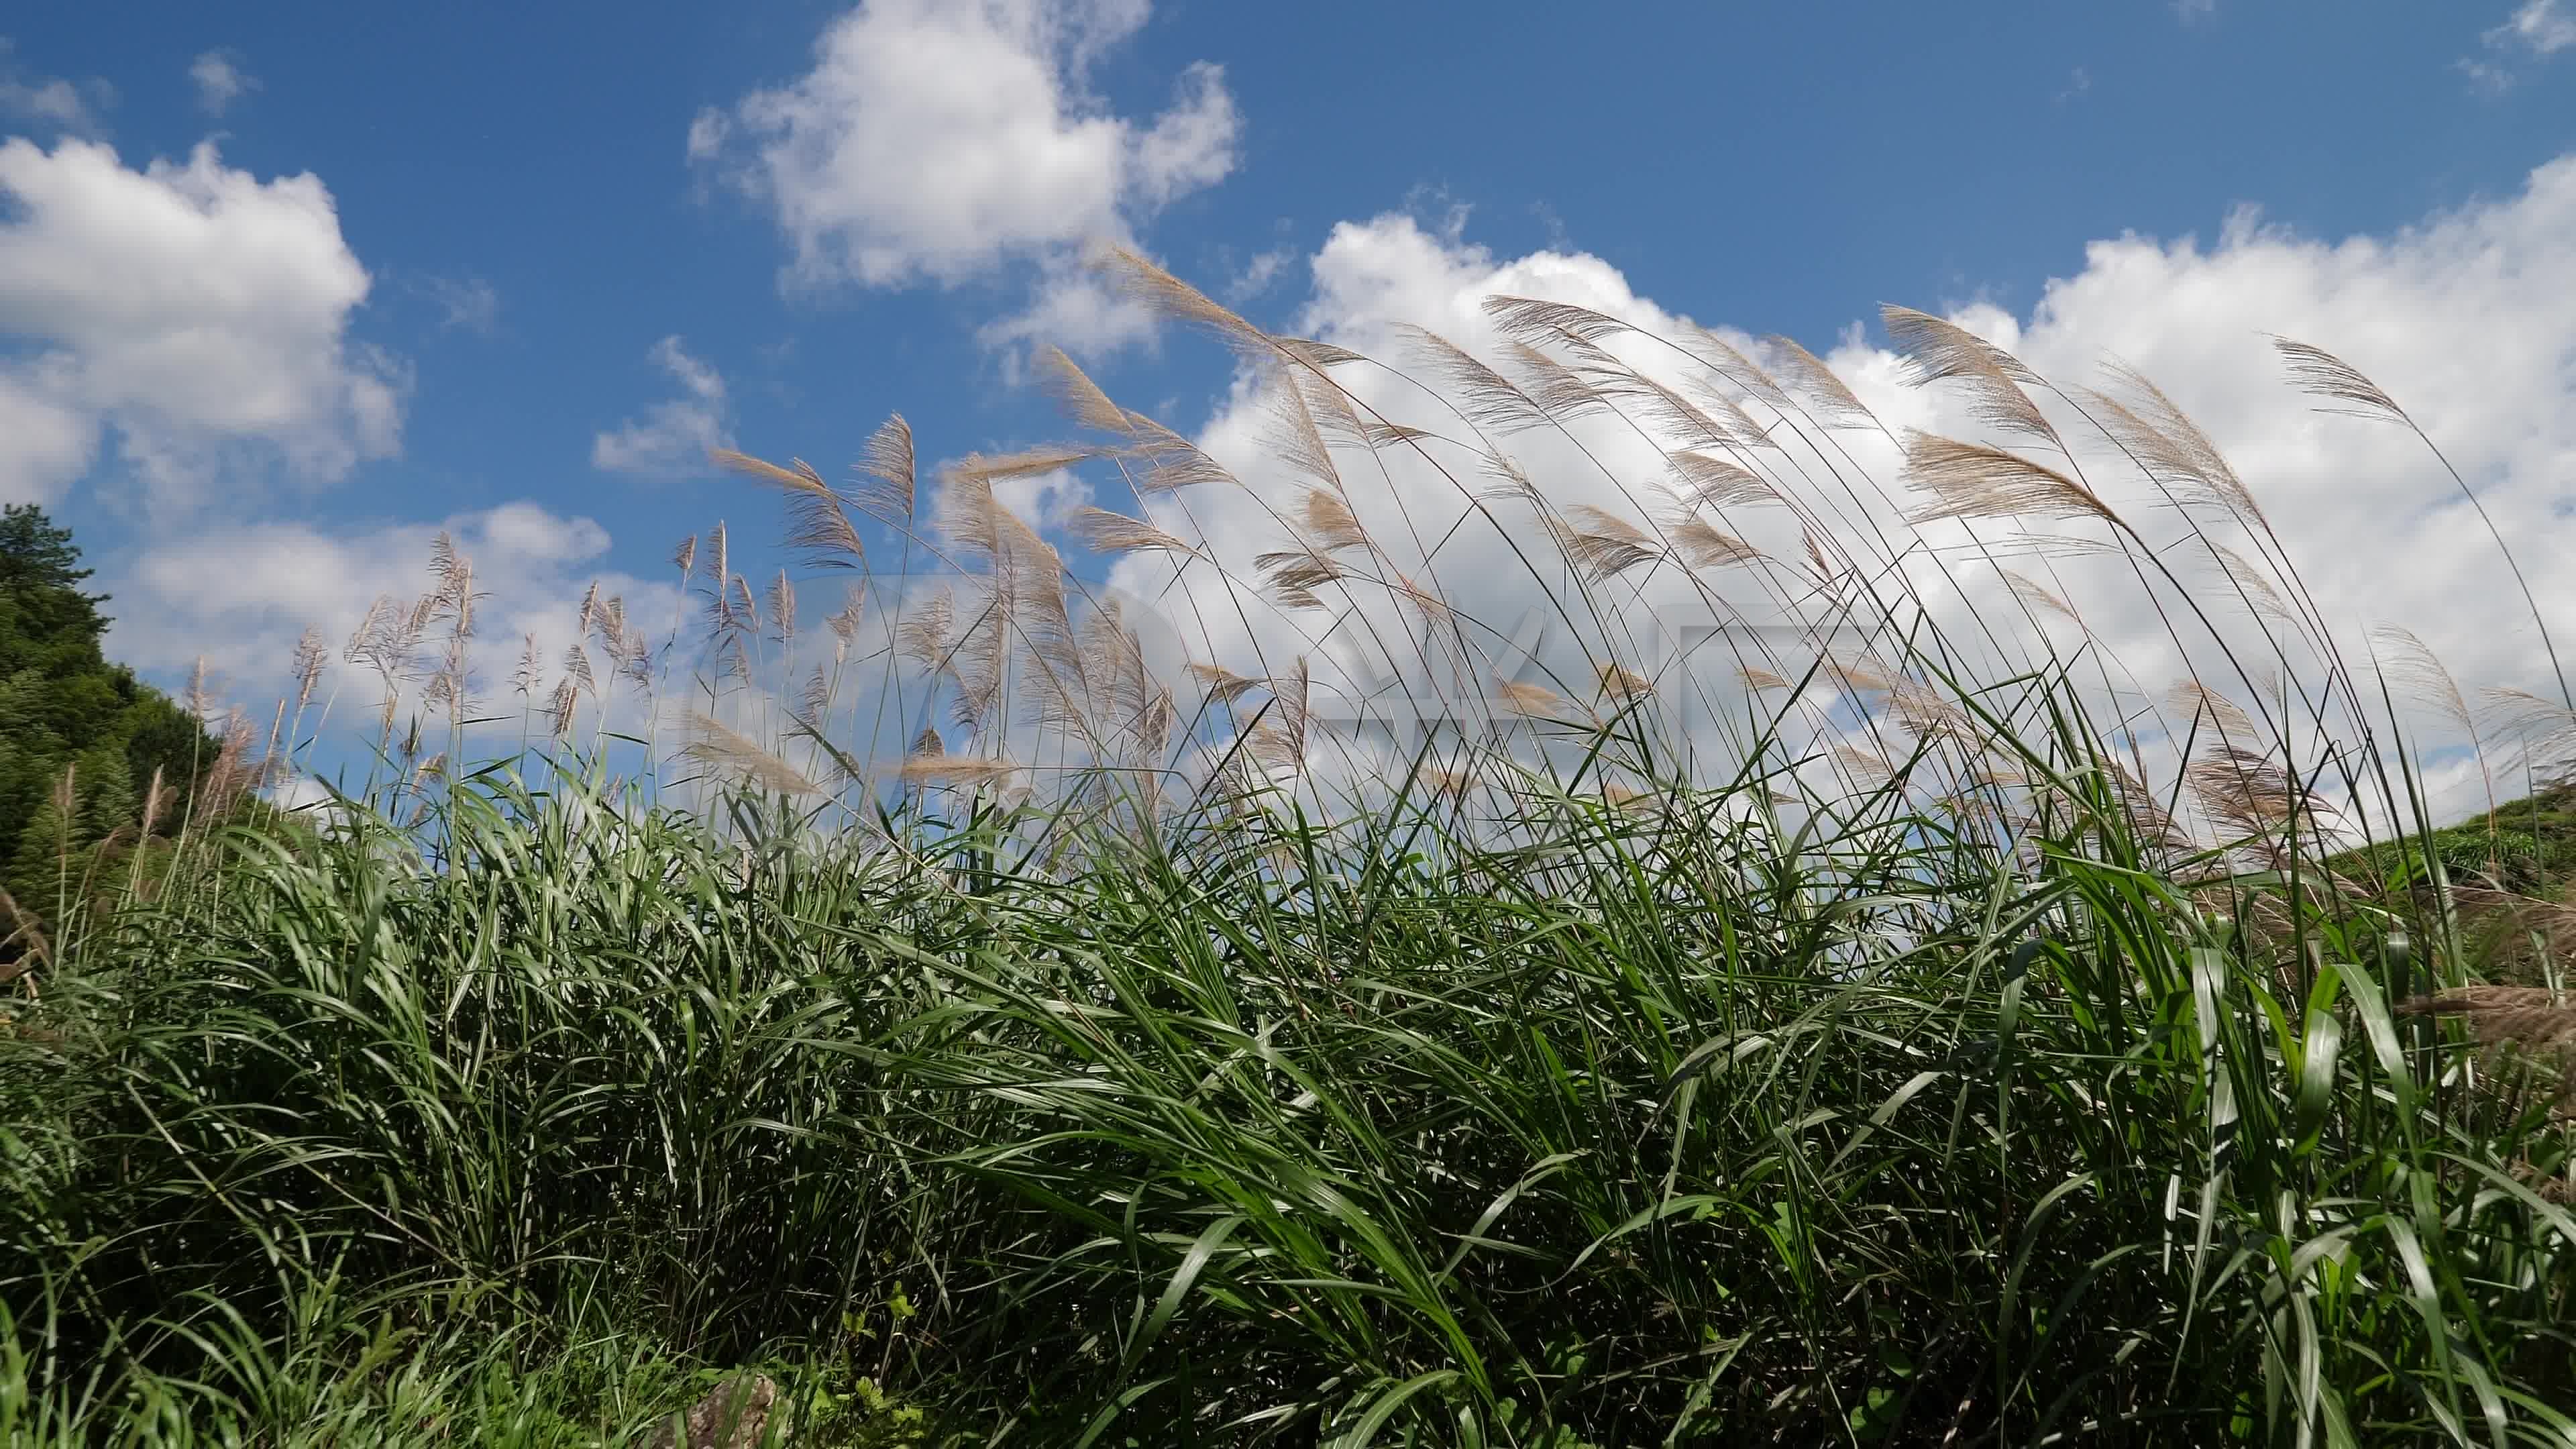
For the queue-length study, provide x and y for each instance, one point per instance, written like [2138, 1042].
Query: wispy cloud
[2535, 31]
[49, 101]
[671, 439]
[465, 304]
[220, 81]
[1260, 274]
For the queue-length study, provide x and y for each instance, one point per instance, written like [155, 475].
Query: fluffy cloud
[197, 313]
[239, 597]
[2463, 317]
[673, 438]
[220, 81]
[942, 141]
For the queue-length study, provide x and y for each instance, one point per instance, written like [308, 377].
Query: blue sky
[574, 257]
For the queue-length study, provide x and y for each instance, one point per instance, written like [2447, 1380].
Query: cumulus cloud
[238, 597]
[2463, 316]
[673, 438]
[940, 142]
[194, 313]
[220, 81]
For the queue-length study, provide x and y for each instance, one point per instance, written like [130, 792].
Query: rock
[730, 1417]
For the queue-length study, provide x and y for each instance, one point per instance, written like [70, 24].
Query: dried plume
[2257, 588]
[1558, 390]
[1828, 399]
[1224, 686]
[1938, 350]
[2030, 591]
[2172, 449]
[531, 669]
[1278, 739]
[956, 771]
[1171, 297]
[737, 755]
[1704, 547]
[923, 633]
[1083, 401]
[2320, 373]
[1102, 531]
[311, 652]
[1703, 481]
[782, 607]
[1620, 682]
[2197, 702]
[1606, 545]
[1971, 480]
[1676, 417]
[819, 517]
[1532, 701]
[560, 708]
[1330, 522]
[1490, 400]
[844, 621]
[887, 465]
[1730, 363]
[2535, 1024]
[1532, 320]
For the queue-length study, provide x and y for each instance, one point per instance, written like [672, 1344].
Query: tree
[34, 554]
[64, 706]
[41, 868]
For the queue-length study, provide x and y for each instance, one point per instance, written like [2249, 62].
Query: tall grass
[1908, 1029]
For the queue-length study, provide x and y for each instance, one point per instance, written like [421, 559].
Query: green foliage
[1664, 1132]
[64, 707]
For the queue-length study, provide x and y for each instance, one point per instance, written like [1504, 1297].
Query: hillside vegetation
[92, 761]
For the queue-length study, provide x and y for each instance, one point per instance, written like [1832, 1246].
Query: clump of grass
[1889, 1028]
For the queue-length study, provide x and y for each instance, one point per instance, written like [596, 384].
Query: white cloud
[46, 100]
[220, 81]
[1071, 307]
[2464, 317]
[1043, 501]
[672, 438]
[196, 312]
[468, 304]
[945, 141]
[239, 596]
[1260, 274]
[2543, 27]
[2538, 29]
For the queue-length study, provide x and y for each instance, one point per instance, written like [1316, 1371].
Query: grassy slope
[1670, 1131]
